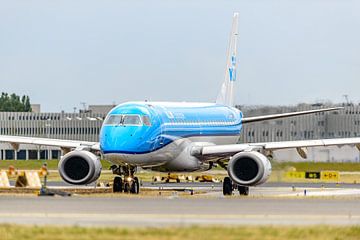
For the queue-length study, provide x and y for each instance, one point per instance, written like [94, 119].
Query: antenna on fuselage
[226, 94]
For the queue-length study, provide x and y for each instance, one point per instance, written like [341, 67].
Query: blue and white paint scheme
[162, 131]
[175, 128]
[177, 136]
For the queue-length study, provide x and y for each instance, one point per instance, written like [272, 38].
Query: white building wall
[340, 124]
[84, 126]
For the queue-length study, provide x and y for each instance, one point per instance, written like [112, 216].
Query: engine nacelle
[79, 167]
[249, 168]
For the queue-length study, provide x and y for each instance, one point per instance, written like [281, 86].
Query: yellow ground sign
[293, 174]
[4, 180]
[323, 175]
[330, 175]
[28, 179]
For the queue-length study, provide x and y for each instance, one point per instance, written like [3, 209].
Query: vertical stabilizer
[226, 94]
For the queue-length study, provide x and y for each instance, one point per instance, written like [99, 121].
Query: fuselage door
[158, 139]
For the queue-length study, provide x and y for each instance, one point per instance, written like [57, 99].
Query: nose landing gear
[229, 186]
[125, 182]
[132, 185]
[118, 184]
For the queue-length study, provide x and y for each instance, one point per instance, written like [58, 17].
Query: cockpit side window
[132, 120]
[146, 120]
[114, 120]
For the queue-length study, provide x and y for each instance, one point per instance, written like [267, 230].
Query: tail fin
[226, 94]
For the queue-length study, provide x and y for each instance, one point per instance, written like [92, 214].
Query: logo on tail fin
[226, 94]
[232, 69]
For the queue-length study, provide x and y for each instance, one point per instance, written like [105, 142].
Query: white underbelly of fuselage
[170, 152]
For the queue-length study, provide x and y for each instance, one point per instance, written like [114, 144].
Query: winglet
[226, 94]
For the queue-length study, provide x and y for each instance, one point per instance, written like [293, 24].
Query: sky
[62, 53]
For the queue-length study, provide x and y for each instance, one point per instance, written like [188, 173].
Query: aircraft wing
[300, 146]
[283, 115]
[15, 141]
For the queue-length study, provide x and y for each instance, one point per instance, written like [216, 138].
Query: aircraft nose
[119, 138]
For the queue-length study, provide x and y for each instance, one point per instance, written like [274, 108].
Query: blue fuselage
[141, 128]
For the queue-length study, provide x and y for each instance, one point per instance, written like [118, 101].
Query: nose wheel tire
[118, 185]
[126, 187]
[134, 186]
[243, 190]
[227, 187]
[125, 181]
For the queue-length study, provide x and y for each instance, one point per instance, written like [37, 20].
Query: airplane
[177, 137]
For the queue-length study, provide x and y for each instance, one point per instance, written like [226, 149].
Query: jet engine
[79, 167]
[249, 168]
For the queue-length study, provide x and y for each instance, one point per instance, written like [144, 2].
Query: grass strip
[299, 166]
[15, 232]
[36, 164]
[317, 166]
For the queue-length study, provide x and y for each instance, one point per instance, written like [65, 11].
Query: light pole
[47, 127]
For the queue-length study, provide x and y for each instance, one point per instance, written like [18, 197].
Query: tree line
[14, 103]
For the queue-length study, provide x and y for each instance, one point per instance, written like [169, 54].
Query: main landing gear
[229, 186]
[125, 182]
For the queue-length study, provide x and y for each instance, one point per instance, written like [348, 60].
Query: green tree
[27, 104]
[13, 103]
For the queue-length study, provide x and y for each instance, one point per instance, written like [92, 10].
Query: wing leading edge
[283, 115]
[64, 144]
[229, 150]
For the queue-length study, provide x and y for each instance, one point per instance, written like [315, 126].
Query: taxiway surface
[218, 186]
[137, 211]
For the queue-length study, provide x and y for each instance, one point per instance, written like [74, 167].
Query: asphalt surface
[271, 203]
[266, 185]
[137, 211]
[218, 186]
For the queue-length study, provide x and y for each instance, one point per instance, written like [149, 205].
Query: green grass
[28, 164]
[14, 232]
[279, 170]
[317, 166]
[36, 164]
[299, 166]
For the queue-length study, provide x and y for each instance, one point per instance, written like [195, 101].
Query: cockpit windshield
[125, 119]
[131, 120]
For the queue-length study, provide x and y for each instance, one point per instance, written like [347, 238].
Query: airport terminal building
[75, 126]
[86, 125]
[337, 124]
